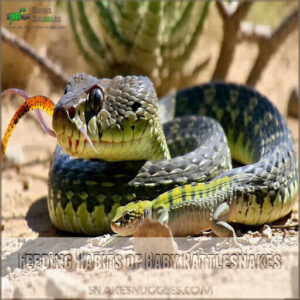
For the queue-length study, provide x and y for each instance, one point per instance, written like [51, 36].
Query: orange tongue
[32, 103]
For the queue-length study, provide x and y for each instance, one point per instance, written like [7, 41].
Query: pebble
[95, 242]
[292, 232]
[256, 234]
[295, 218]
[267, 231]
[25, 185]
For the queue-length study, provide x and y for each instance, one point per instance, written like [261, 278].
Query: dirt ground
[25, 217]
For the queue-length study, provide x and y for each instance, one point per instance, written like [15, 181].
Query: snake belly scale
[123, 171]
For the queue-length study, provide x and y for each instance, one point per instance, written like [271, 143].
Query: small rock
[152, 237]
[256, 234]
[25, 185]
[8, 270]
[95, 242]
[154, 229]
[287, 233]
[295, 218]
[267, 231]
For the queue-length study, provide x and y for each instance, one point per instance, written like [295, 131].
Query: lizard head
[129, 217]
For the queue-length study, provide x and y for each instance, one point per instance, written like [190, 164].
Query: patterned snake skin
[84, 194]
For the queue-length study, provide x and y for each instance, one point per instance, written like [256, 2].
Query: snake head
[110, 119]
[129, 217]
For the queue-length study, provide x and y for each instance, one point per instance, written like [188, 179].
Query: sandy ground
[91, 268]
[25, 221]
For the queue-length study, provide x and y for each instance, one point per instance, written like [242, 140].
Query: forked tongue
[31, 103]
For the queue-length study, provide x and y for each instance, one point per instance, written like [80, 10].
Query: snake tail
[32, 103]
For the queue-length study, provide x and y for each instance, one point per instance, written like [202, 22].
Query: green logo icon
[17, 16]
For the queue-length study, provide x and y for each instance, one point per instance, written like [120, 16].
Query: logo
[17, 16]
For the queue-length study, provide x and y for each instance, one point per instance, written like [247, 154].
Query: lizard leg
[221, 228]
[163, 216]
[218, 224]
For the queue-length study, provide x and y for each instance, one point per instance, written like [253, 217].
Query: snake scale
[123, 170]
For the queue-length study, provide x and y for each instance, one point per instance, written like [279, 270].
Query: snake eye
[126, 217]
[96, 99]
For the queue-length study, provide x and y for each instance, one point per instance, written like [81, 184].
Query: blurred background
[175, 43]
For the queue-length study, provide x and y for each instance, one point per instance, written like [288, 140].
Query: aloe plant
[153, 38]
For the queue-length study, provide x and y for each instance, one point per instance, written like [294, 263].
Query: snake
[122, 156]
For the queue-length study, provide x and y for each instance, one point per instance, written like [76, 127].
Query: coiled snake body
[126, 161]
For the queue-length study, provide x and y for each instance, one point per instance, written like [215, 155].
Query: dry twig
[50, 67]
[231, 16]
[234, 32]
[27, 164]
[268, 42]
